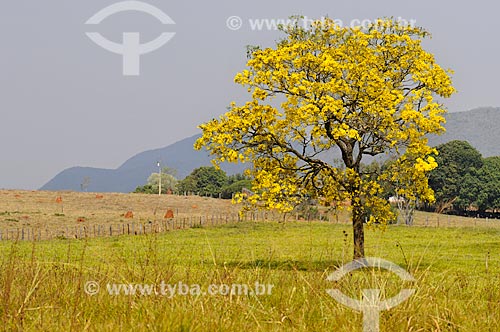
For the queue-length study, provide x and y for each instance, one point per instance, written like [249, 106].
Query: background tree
[205, 180]
[452, 180]
[235, 184]
[361, 92]
[482, 187]
[168, 182]
[85, 183]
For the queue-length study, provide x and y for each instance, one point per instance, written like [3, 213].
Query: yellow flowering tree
[358, 91]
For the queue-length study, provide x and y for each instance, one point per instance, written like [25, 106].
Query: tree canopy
[487, 188]
[465, 182]
[360, 92]
[168, 182]
[205, 180]
[458, 161]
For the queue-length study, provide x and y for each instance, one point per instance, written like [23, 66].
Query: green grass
[457, 273]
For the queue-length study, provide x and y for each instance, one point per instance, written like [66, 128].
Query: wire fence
[81, 231]
[110, 229]
[115, 229]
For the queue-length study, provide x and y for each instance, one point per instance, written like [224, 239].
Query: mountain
[134, 172]
[479, 127]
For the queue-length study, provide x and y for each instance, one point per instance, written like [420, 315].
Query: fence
[137, 228]
[179, 223]
[445, 220]
[115, 229]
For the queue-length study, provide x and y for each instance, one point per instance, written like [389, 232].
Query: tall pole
[159, 179]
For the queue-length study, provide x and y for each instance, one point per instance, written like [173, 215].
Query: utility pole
[159, 179]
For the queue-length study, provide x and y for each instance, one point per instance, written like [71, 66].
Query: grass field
[45, 286]
[39, 209]
[48, 215]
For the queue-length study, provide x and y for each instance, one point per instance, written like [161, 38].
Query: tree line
[464, 182]
[203, 181]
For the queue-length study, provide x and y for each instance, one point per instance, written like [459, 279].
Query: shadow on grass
[287, 265]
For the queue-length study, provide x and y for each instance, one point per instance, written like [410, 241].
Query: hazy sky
[64, 100]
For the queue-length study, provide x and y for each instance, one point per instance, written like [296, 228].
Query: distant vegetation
[203, 181]
[464, 182]
[168, 182]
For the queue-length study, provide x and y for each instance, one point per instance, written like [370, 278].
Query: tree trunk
[358, 228]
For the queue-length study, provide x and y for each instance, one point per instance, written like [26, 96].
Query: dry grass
[439, 220]
[40, 209]
[457, 272]
[457, 268]
[35, 209]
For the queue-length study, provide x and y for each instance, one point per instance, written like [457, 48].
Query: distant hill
[135, 171]
[479, 127]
